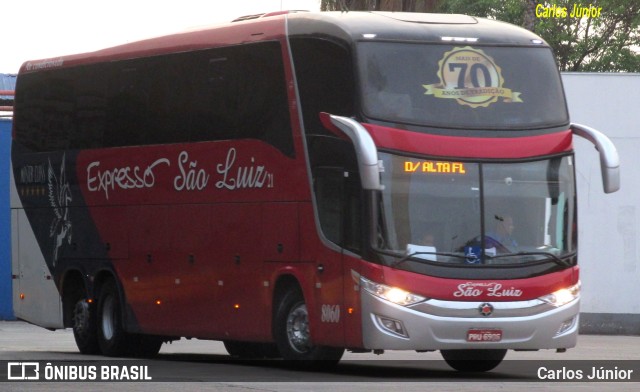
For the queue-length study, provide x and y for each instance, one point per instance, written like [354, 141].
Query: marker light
[459, 39]
[563, 296]
[391, 294]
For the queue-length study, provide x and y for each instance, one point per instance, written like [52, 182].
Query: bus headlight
[391, 294]
[563, 296]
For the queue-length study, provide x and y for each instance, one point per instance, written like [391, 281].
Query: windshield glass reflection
[477, 214]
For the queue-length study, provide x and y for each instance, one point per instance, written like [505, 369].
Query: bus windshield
[477, 213]
[463, 87]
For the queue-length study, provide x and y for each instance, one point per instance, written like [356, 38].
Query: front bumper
[444, 325]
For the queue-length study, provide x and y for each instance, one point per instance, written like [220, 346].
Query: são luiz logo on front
[472, 78]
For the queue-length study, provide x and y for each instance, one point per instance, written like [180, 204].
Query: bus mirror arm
[366, 150]
[327, 123]
[609, 158]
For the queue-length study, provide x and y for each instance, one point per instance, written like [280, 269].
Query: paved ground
[183, 362]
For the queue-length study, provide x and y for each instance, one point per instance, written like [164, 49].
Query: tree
[609, 42]
[379, 5]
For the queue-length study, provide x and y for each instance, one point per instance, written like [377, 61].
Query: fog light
[391, 325]
[566, 325]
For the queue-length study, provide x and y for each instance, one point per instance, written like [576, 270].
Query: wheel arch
[288, 291]
[129, 321]
[284, 283]
[99, 280]
[74, 287]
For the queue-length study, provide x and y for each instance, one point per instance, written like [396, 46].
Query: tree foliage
[607, 43]
[379, 5]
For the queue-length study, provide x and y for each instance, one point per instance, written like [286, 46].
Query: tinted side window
[337, 190]
[49, 110]
[324, 74]
[215, 94]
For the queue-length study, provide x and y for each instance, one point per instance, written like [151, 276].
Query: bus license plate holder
[484, 335]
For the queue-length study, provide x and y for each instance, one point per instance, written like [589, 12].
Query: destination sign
[434, 167]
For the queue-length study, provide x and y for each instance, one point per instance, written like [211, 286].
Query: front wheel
[473, 360]
[293, 336]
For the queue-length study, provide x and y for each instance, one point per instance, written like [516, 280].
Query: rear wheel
[85, 330]
[473, 360]
[293, 336]
[112, 338]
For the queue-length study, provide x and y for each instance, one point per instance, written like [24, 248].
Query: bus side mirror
[366, 150]
[609, 158]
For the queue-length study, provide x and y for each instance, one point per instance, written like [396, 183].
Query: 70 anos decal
[472, 78]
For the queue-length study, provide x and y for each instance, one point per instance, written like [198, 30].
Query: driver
[502, 236]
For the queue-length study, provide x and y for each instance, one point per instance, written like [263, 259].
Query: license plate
[484, 335]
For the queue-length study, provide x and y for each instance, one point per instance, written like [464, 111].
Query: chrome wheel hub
[298, 329]
[81, 318]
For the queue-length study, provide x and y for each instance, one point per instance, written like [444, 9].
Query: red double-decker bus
[300, 184]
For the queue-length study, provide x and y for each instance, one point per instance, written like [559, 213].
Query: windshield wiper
[564, 262]
[560, 261]
[424, 261]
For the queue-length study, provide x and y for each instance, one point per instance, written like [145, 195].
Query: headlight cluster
[392, 294]
[563, 296]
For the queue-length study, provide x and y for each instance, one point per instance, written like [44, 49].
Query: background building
[609, 233]
[7, 83]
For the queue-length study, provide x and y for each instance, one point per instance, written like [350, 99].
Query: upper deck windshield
[461, 86]
[463, 213]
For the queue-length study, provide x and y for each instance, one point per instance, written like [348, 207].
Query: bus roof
[346, 26]
[407, 26]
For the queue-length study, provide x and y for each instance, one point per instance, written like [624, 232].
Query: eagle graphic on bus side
[60, 198]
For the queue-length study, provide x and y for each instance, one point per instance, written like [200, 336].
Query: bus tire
[85, 330]
[112, 338]
[475, 360]
[292, 335]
